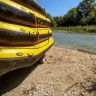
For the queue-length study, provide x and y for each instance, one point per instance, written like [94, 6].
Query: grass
[77, 29]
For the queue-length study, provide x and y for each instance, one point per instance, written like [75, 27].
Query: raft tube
[32, 4]
[18, 57]
[12, 34]
[16, 13]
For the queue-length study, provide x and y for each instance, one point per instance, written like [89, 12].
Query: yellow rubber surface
[19, 28]
[21, 2]
[11, 52]
[18, 6]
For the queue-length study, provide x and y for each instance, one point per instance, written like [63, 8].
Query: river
[76, 41]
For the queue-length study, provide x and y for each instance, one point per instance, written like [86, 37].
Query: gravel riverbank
[66, 73]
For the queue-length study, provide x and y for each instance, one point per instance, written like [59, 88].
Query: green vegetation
[83, 15]
[77, 29]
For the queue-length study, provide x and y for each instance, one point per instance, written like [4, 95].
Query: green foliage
[85, 7]
[54, 20]
[86, 12]
[70, 18]
[77, 29]
[83, 14]
[83, 21]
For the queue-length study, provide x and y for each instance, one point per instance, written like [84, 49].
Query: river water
[76, 41]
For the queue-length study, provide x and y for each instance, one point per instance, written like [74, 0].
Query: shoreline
[65, 32]
[76, 29]
[79, 50]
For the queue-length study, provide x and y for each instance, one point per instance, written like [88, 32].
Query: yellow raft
[25, 35]
[12, 34]
[19, 14]
[17, 57]
[32, 4]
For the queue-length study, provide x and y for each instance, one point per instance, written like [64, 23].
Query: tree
[70, 19]
[53, 23]
[84, 9]
[83, 21]
[91, 18]
[49, 16]
[83, 14]
[57, 19]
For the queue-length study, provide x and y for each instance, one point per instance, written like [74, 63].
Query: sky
[58, 7]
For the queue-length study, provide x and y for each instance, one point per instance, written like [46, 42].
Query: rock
[48, 62]
[59, 83]
[51, 83]
[46, 94]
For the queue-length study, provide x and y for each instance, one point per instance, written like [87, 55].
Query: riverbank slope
[66, 73]
[76, 29]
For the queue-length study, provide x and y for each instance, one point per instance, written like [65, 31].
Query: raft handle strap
[48, 34]
[36, 27]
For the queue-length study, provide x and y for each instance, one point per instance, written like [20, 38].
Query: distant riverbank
[77, 29]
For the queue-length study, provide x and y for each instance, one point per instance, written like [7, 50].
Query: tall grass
[77, 29]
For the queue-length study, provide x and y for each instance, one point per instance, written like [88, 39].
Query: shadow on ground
[13, 79]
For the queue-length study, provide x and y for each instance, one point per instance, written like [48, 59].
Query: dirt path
[65, 73]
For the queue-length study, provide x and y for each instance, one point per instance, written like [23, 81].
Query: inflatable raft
[19, 14]
[31, 4]
[17, 57]
[25, 35]
[12, 34]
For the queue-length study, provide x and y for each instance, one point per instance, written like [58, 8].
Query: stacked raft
[25, 35]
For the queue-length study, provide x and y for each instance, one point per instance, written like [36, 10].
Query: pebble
[45, 94]
[57, 88]
[30, 94]
[82, 93]
[48, 62]
[59, 83]
[65, 95]
[57, 79]
[51, 83]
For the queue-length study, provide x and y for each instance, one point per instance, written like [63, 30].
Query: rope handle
[48, 30]
[36, 28]
[48, 33]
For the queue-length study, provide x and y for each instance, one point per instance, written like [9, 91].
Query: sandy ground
[66, 73]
